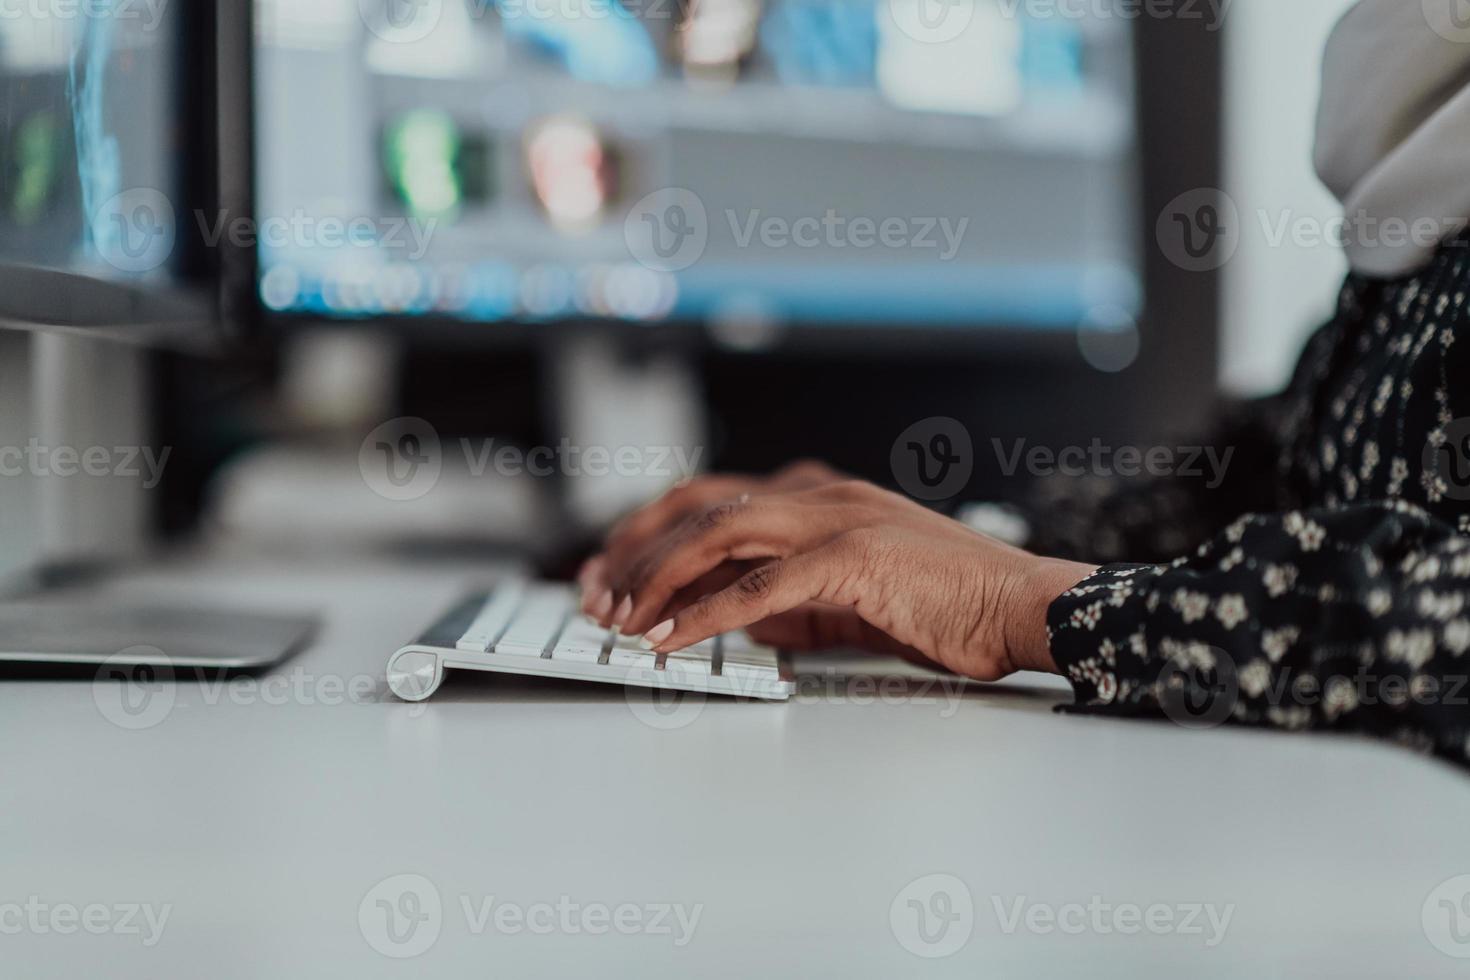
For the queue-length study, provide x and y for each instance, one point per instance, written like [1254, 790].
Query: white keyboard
[536, 628]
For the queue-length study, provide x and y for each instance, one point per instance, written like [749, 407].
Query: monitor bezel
[193, 310]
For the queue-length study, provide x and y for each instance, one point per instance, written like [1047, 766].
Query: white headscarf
[1393, 129]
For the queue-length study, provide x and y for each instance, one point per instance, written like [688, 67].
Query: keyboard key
[581, 642]
[626, 652]
[705, 648]
[493, 618]
[694, 663]
[537, 622]
[753, 661]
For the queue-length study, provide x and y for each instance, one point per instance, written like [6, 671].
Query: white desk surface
[264, 820]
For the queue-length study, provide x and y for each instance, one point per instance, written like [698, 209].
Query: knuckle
[718, 516]
[635, 577]
[852, 490]
[757, 583]
[806, 469]
[637, 573]
[867, 563]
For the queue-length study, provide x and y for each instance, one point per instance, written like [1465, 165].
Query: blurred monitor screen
[92, 147]
[951, 163]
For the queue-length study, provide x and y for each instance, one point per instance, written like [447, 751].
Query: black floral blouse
[1326, 582]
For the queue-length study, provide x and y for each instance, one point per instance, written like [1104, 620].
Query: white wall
[1274, 295]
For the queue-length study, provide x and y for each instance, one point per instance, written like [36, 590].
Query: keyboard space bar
[493, 617]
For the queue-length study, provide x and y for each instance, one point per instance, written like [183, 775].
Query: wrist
[1026, 641]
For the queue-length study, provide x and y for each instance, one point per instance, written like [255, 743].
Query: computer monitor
[750, 165]
[110, 138]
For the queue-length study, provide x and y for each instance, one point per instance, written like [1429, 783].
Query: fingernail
[625, 609]
[602, 605]
[657, 635]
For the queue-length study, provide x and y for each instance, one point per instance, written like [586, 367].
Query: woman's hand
[844, 563]
[632, 535]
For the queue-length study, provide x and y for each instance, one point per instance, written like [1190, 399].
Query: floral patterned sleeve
[1351, 618]
[1347, 605]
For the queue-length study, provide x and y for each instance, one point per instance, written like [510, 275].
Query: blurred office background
[640, 223]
